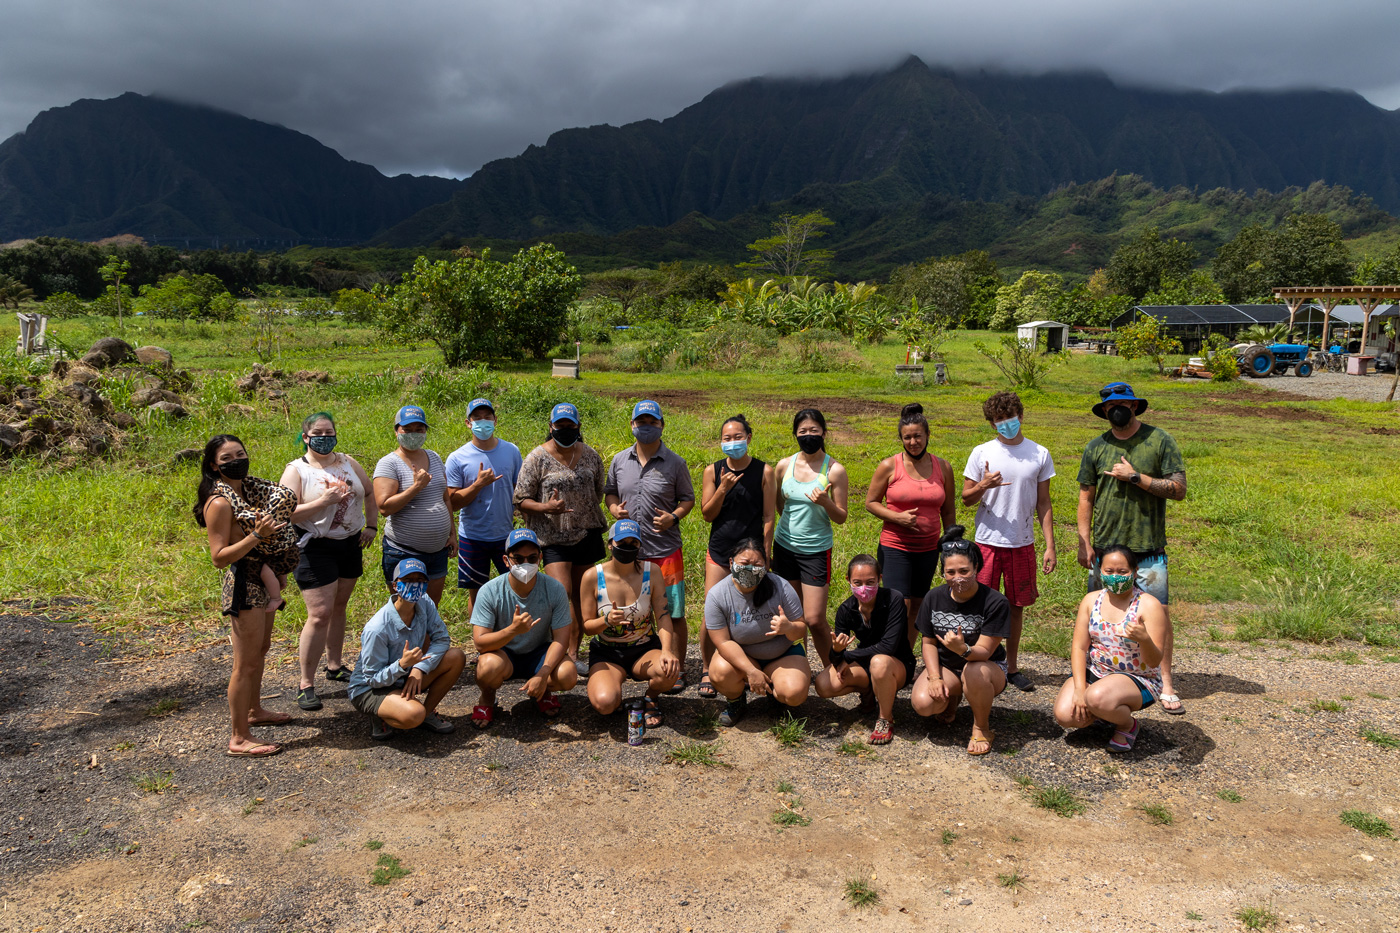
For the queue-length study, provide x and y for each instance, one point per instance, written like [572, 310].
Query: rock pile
[274, 383]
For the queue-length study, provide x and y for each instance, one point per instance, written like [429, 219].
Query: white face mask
[524, 573]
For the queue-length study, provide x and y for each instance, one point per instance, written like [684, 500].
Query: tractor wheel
[1258, 361]
[1304, 369]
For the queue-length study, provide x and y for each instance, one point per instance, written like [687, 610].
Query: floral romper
[242, 586]
[1112, 652]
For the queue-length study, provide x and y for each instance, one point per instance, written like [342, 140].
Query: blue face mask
[646, 433]
[410, 592]
[735, 449]
[1009, 428]
[483, 430]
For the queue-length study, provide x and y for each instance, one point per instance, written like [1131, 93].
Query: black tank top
[741, 516]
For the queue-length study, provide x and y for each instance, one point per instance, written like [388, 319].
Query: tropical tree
[1145, 339]
[1141, 265]
[787, 252]
[13, 292]
[1035, 296]
[1307, 249]
[113, 272]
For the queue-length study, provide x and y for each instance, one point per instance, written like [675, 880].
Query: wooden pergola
[1327, 297]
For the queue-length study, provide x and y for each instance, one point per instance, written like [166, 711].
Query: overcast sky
[441, 87]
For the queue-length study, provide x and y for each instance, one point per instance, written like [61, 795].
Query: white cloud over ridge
[441, 87]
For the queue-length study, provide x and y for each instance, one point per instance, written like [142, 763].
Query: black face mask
[625, 555]
[810, 443]
[234, 469]
[566, 436]
[1119, 416]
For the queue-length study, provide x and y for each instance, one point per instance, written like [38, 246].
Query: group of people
[618, 577]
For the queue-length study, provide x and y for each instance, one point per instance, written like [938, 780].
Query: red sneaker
[884, 732]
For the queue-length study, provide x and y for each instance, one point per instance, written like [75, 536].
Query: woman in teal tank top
[812, 495]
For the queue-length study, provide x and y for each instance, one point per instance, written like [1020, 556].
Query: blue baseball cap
[1118, 392]
[647, 407]
[410, 565]
[564, 411]
[480, 403]
[411, 414]
[625, 528]
[521, 534]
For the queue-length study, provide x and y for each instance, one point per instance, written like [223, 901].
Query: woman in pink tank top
[909, 494]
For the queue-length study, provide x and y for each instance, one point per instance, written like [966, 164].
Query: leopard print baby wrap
[242, 587]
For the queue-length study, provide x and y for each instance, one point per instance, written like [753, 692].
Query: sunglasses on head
[959, 546]
[1111, 388]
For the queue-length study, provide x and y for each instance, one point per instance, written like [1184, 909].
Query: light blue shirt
[491, 514]
[383, 640]
[496, 603]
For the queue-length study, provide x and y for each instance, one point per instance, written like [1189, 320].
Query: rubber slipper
[255, 751]
[1178, 710]
[706, 690]
[988, 737]
[549, 705]
[483, 715]
[653, 716]
[679, 685]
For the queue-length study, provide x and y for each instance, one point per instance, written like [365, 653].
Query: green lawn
[1291, 527]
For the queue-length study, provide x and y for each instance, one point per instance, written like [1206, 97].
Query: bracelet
[256, 535]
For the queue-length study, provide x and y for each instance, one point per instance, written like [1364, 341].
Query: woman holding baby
[335, 522]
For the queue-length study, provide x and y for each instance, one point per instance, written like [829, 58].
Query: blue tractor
[1257, 360]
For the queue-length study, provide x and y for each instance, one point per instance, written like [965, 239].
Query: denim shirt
[382, 643]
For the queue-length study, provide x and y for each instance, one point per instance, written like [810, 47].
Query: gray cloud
[435, 86]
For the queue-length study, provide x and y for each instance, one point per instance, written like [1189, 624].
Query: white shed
[1056, 334]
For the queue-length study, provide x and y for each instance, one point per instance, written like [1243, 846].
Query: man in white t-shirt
[1008, 479]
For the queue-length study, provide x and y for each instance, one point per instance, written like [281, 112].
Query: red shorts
[1017, 565]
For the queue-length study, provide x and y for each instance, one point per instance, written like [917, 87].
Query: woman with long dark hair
[241, 514]
[909, 494]
[812, 490]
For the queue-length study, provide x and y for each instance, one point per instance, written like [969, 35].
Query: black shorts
[811, 569]
[624, 656]
[909, 572]
[864, 664]
[326, 560]
[585, 552]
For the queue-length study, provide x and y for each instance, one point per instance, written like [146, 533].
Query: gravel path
[537, 825]
[1370, 388]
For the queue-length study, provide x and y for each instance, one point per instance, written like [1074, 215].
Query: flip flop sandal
[653, 716]
[1128, 738]
[706, 690]
[988, 737]
[1164, 699]
[254, 751]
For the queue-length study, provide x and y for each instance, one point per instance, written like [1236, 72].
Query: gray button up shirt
[664, 483]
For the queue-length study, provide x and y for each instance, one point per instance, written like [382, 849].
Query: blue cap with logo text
[480, 403]
[564, 411]
[623, 529]
[411, 414]
[409, 565]
[519, 535]
[647, 407]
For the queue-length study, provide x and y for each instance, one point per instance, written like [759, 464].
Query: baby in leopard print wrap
[277, 556]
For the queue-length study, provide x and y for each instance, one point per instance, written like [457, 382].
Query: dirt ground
[1372, 387]
[540, 825]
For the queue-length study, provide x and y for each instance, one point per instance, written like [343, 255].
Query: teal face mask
[484, 429]
[1009, 428]
[735, 449]
[1116, 582]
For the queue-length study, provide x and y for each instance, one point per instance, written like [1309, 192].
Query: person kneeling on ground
[633, 636]
[873, 619]
[520, 626]
[1117, 653]
[963, 624]
[755, 620]
[404, 651]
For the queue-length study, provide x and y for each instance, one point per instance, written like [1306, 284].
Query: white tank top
[338, 521]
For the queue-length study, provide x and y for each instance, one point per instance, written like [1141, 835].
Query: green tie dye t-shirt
[1124, 513]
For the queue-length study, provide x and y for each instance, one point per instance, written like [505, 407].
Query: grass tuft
[855, 748]
[374, 845]
[790, 731]
[861, 893]
[387, 869]
[1326, 706]
[1192, 915]
[949, 837]
[1228, 795]
[1014, 880]
[1378, 737]
[785, 788]
[788, 815]
[1060, 801]
[156, 782]
[1158, 814]
[1367, 823]
[696, 753]
[1257, 918]
[165, 706]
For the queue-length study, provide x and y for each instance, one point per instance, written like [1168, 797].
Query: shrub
[64, 304]
[1024, 364]
[1145, 339]
[356, 306]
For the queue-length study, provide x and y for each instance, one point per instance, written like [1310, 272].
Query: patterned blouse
[1113, 652]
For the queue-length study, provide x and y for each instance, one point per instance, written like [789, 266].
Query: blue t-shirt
[496, 603]
[492, 513]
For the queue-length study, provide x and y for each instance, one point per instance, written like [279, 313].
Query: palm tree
[1264, 333]
[13, 292]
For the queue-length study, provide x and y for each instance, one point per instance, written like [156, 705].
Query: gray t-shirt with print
[748, 623]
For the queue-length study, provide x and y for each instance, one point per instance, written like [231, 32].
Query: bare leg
[1114, 699]
[258, 714]
[729, 681]
[563, 571]
[435, 590]
[335, 632]
[855, 680]
[576, 609]
[320, 604]
[605, 687]
[492, 670]
[982, 681]
[272, 585]
[944, 708]
[246, 679]
[1167, 686]
[814, 614]
[887, 676]
[790, 677]
[713, 574]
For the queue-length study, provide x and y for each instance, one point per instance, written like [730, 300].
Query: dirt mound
[274, 383]
[1383, 430]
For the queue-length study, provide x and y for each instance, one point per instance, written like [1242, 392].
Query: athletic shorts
[1151, 575]
[585, 552]
[672, 568]
[1147, 698]
[908, 572]
[1011, 570]
[370, 701]
[526, 665]
[811, 569]
[325, 561]
[624, 656]
[475, 559]
[436, 562]
[798, 649]
[864, 664]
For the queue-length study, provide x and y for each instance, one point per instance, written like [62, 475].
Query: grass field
[1291, 528]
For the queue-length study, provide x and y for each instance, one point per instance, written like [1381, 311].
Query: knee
[1064, 716]
[824, 687]
[490, 670]
[454, 659]
[565, 676]
[791, 692]
[413, 716]
[605, 700]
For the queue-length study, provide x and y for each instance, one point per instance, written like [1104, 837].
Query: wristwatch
[967, 649]
[1135, 479]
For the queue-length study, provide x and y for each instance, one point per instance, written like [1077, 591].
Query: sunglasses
[1112, 388]
[522, 559]
[960, 546]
